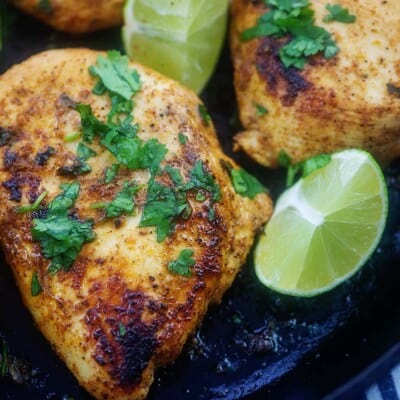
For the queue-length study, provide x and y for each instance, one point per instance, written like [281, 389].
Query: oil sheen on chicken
[74, 16]
[119, 312]
[350, 100]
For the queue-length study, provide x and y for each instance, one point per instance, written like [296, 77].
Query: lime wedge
[325, 227]
[181, 39]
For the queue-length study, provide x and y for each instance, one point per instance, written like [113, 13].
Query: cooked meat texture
[74, 16]
[332, 104]
[121, 279]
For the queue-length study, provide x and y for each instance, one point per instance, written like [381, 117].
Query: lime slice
[181, 39]
[325, 227]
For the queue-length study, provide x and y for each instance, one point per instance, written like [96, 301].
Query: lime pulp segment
[181, 39]
[325, 227]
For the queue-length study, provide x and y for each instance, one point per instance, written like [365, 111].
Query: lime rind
[331, 250]
[182, 39]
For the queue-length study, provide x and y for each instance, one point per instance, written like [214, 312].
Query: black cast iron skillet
[256, 344]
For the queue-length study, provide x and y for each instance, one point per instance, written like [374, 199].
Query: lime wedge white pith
[325, 227]
[181, 39]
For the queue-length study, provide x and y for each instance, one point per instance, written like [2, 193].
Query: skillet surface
[256, 344]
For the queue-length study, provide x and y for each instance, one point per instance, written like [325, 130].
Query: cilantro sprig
[295, 20]
[302, 168]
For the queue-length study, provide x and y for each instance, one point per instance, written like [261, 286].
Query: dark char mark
[42, 157]
[5, 136]
[273, 71]
[16, 182]
[125, 343]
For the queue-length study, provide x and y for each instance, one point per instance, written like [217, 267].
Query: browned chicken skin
[330, 105]
[74, 16]
[121, 278]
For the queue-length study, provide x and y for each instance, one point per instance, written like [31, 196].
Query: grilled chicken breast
[350, 100]
[74, 16]
[121, 310]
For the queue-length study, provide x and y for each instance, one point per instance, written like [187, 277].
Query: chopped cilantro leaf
[61, 236]
[121, 329]
[133, 152]
[111, 173]
[163, 206]
[36, 288]
[294, 19]
[182, 138]
[306, 167]
[261, 110]
[66, 199]
[246, 184]
[205, 116]
[314, 163]
[174, 174]
[182, 265]
[201, 179]
[284, 159]
[91, 126]
[339, 13]
[115, 76]
[84, 153]
[123, 202]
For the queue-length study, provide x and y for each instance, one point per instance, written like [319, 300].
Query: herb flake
[61, 236]
[183, 264]
[36, 288]
[339, 13]
[246, 184]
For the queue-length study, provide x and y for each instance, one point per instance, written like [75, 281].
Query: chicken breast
[74, 16]
[142, 281]
[350, 100]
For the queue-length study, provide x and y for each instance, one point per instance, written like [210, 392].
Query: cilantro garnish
[296, 20]
[111, 172]
[246, 184]
[91, 126]
[303, 168]
[205, 116]
[163, 206]
[115, 76]
[36, 288]
[121, 329]
[34, 206]
[182, 265]
[61, 236]
[182, 138]
[201, 179]
[174, 174]
[84, 152]
[123, 203]
[261, 110]
[284, 159]
[339, 13]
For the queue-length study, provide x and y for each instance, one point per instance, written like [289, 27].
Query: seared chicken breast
[141, 280]
[349, 100]
[74, 16]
